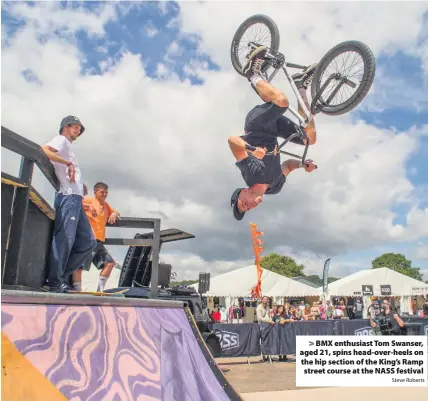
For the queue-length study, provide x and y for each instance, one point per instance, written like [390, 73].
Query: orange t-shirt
[98, 224]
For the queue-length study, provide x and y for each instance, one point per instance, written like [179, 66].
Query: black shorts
[267, 122]
[99, 257]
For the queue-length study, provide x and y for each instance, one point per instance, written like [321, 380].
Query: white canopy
[238, 283]
[401, 285]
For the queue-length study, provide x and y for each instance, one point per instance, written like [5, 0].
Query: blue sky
[142, 28]
[152, 32]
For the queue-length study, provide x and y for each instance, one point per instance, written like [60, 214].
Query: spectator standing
[99, 212]
[288, 312]
[73, 240]
[315, 312]
[358, 309]
[263, 316]
[306, 312]
[343, 308]
[263, 311]
[425, 309]
[338, 312]
[273, 311]
[322, 310]
[294, 313]
[330, 312]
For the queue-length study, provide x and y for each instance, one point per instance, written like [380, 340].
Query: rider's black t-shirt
[265, 171]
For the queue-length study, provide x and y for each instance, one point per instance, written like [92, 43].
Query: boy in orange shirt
[99, 212]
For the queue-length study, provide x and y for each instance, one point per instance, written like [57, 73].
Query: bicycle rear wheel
[348, 84]
[259, 30]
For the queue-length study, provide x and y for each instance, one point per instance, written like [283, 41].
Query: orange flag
[257, 242]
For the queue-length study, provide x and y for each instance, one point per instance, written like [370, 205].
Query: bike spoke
[348, 64]
[258, 34]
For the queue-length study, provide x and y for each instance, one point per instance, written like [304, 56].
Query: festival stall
[238, 284]
[382, 282]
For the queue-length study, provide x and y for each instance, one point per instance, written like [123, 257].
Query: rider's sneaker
[303, 79]
[255, 61]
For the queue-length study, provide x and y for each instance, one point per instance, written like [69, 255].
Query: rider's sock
[254, 79]
[77, 286]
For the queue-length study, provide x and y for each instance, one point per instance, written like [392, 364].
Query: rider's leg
[310, 129]
[269, 93]
[302, 81]
[264, 117]
[252, 70]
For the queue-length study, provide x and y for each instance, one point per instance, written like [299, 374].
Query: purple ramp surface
[113, 353]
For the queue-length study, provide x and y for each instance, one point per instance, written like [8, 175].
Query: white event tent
[401, 285]
[238, 283]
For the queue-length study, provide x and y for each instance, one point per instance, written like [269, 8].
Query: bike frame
[303, 121]
[277, 62]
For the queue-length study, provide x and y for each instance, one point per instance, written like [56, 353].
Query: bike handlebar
[252, 148]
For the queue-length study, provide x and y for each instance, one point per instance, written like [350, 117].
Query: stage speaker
[164, 274]
[204, 283]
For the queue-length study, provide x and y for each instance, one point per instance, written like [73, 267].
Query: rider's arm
[290, 165]
[238, 147]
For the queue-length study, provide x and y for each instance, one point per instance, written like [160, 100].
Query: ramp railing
[27, 221]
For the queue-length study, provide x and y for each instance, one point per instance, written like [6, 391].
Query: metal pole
[155, 259]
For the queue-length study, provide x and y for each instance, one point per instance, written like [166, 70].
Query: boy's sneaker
[303, 79]
[255, 61]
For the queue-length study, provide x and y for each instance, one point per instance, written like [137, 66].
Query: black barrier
[244, 339]
[413, 327]
[358, 327]
[238, 339]
[281, 339]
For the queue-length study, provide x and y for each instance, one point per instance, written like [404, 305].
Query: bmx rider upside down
[264, 174]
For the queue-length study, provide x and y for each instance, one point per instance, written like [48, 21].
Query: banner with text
[241, 339]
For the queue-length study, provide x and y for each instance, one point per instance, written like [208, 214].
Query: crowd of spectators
[304, 311]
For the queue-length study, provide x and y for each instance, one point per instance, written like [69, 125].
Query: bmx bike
[350, 83]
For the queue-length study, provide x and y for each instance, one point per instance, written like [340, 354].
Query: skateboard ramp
[82, 347]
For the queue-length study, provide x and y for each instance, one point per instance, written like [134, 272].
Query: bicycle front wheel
[343, 78]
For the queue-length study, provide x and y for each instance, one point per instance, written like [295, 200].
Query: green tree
[314, 278]
[283, 265]
[397, 262]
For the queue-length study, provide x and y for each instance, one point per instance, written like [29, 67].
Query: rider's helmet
[70, 120]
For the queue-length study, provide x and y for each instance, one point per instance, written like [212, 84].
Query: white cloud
[150, 30]
[162, 144]
[50, 16]
[309, 30]
[420, 251]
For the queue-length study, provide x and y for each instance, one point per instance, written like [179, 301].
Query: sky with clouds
[155, 88]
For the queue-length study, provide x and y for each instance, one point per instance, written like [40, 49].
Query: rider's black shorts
[268, 118]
